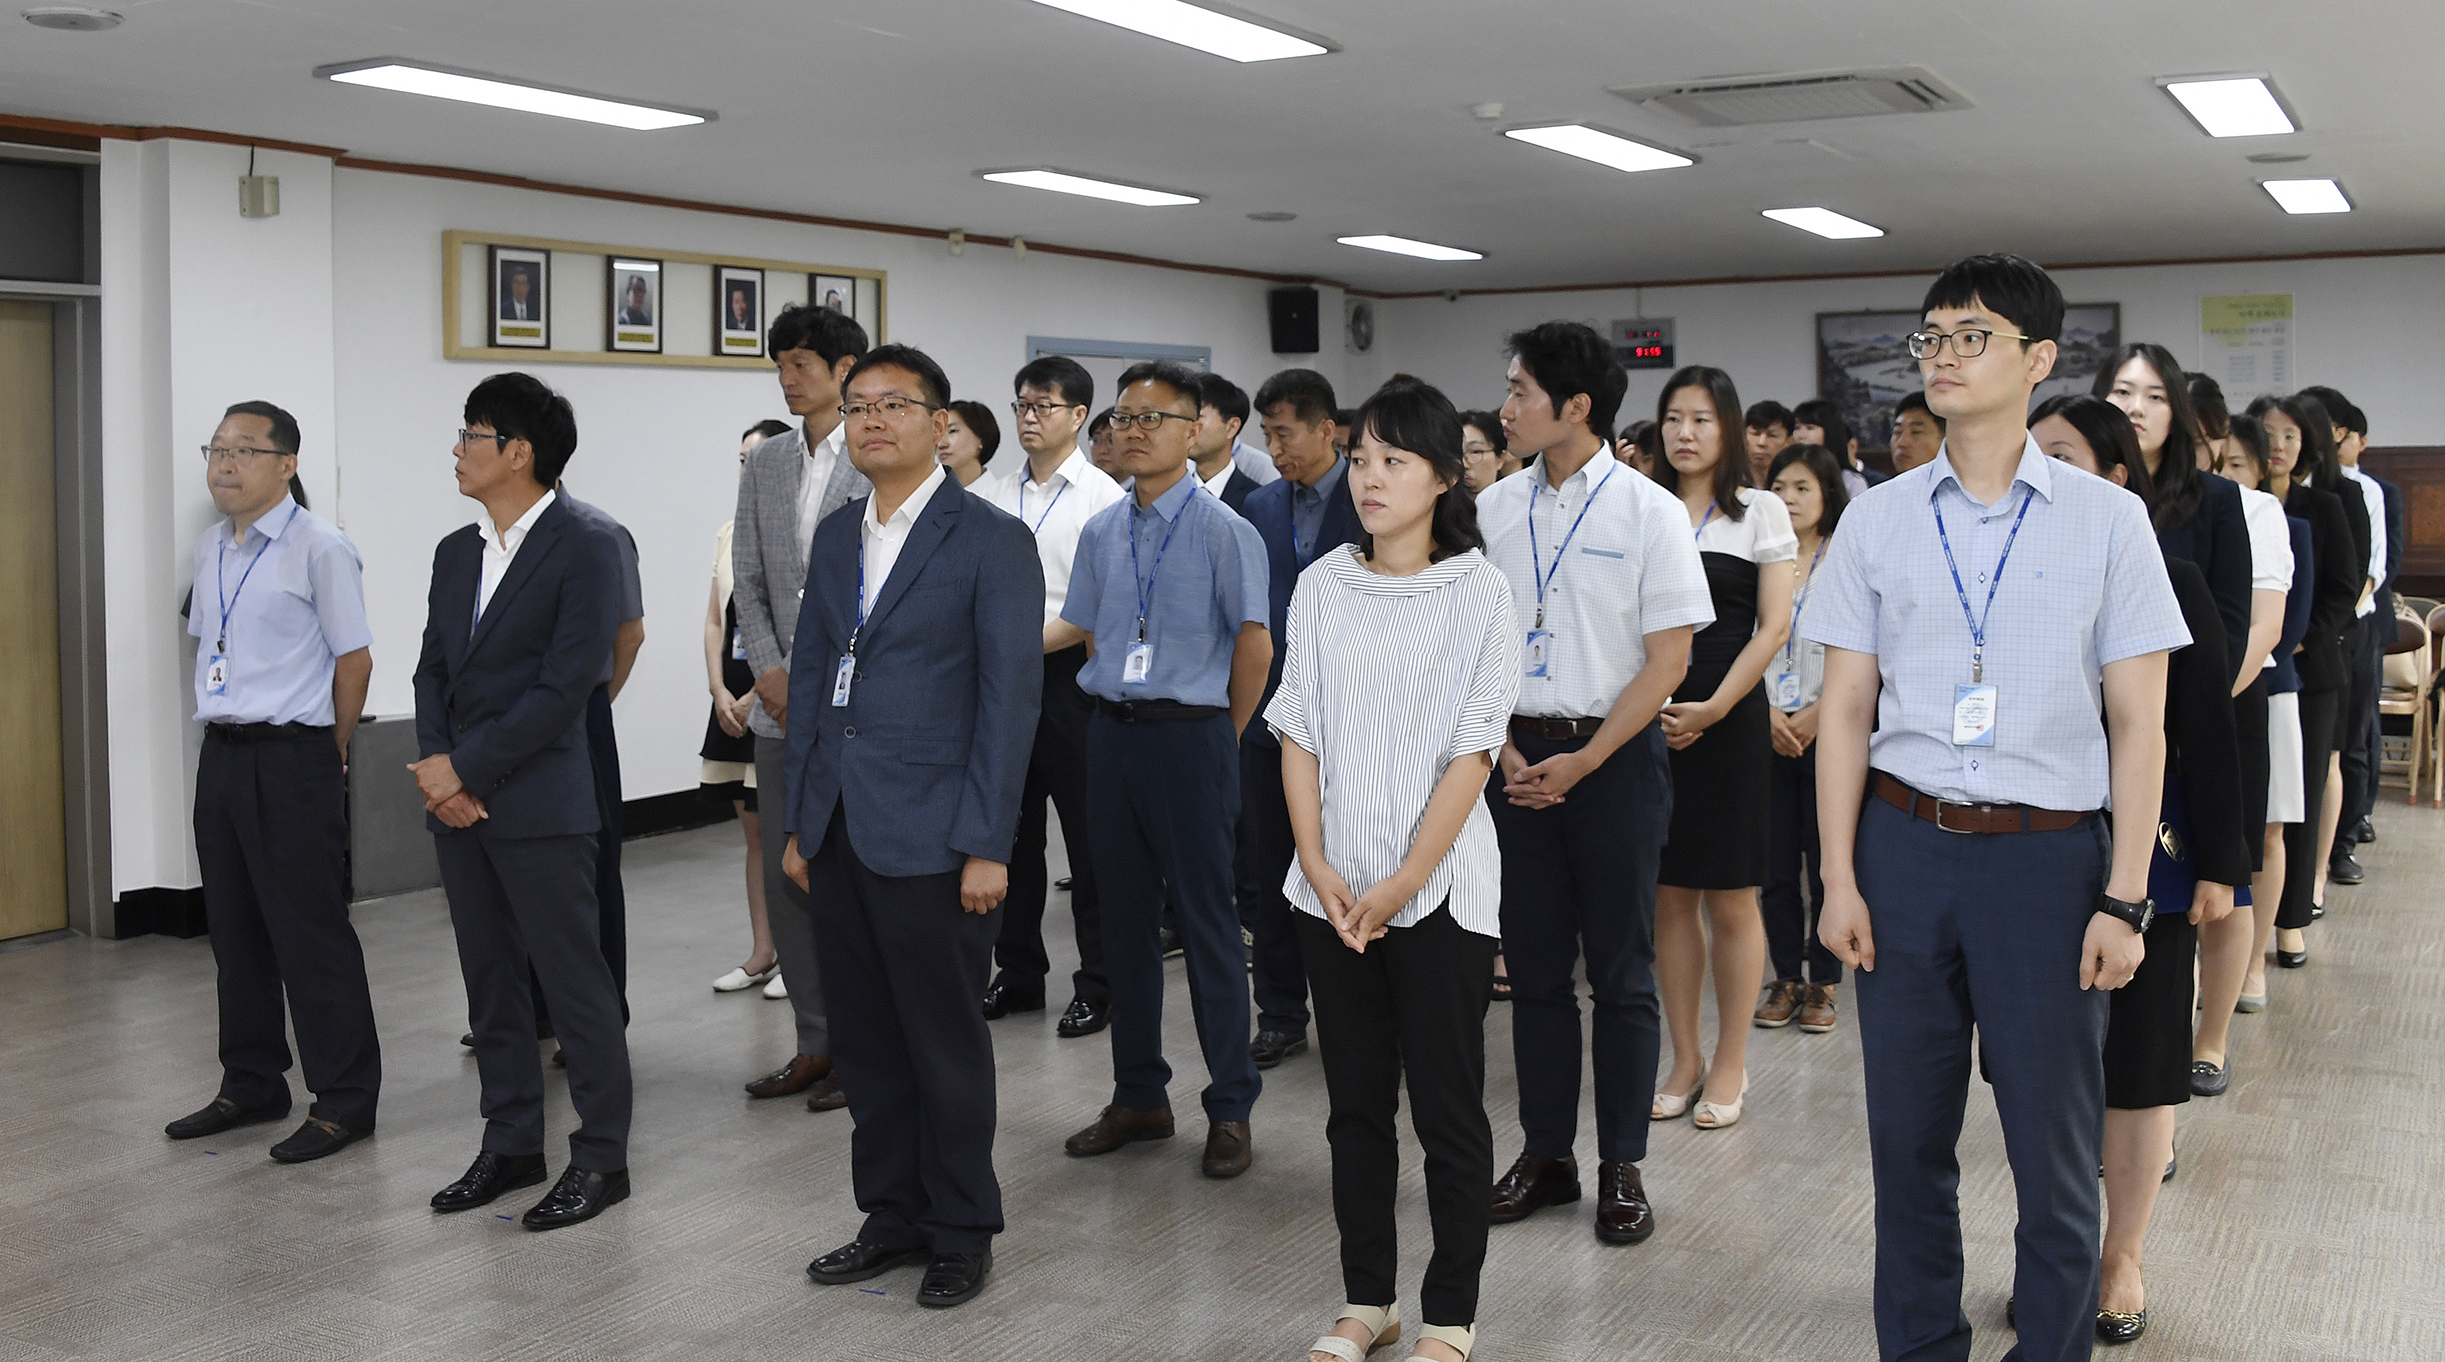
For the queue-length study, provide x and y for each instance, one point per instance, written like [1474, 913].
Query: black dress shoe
[1084, 1019]
[1062, 884]
[1533, 1182]
[488, 1177]
[1622, 1213]
[578, 1196]
[1169, 942]
[2209, 1080]
[560, 1058]
[2113, 1326]
[2342, 868]
[316, 1139]
[1006, 996]
[858, 1261]
[1272, 1047]
[218, 1115]
[2291, 959]
[953, 1279]
[2364, 831]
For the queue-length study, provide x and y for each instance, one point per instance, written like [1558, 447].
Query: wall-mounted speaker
[1292, 313]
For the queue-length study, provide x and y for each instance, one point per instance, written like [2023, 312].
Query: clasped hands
[1542, 785]
[445, 797]
[1687, 721]
[1357, 918]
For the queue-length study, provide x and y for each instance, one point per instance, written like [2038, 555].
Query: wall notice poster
[2245, 344]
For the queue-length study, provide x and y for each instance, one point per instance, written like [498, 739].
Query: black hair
[2316, 465]
[2107, 430]
[1411, 415]
[1637, 432]
[1060, 375]
[1488, 424]
[1568, 359]
[522, 408]
[1826, 469]
[2249, 435]
[1649, 439]
[932, 383]
[1767, 415]
[1309, 394]
[1182, 380]
[1225, 396]
[1731, 460]
[768, 428]
[979, 418]
[2012, 288]
[1345, 422]
[284, 438]
[1101, 423]
[2177, 491]
[829, 334]
[1825, 416]
[2346, 414]
[1916, 401]
[2207, 404]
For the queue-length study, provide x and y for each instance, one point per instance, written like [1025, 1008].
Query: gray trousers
[785, 904]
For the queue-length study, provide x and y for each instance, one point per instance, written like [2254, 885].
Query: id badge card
[738, 645]
[1538, 656]
[1786, 690]
[216, 675]
[841, 680]
[1973, 715]
[1136, 663]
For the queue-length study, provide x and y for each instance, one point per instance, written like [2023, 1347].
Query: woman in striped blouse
[1400, 668]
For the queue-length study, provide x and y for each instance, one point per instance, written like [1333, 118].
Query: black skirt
[2147, 1034]
[738, 680]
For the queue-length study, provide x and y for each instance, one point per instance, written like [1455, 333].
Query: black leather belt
[1155, 711]
[1553, 730]
[267, 732]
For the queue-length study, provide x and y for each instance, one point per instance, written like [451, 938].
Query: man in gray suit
[790, 484]
[916, 688]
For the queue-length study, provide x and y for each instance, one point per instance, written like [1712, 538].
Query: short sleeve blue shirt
[294, 595]
[1199, 589]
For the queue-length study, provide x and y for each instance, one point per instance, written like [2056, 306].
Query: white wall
[2371, 327]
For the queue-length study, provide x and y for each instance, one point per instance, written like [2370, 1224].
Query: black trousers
[1795, 889]
[1580, 878]
[1056, 771]
[903, 966]
[2320, 718]
[1413, 1008]
[1266, 849]
[521, 903]
[2357, 736]
[610, 899]
[271, 833]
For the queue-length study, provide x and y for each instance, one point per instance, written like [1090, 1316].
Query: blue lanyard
[1544, 577]
[1146, 584]
[1703, 521]
[860, 626]
[1978, 622]
[220, 573]
[1058, 493]
[1799, 602]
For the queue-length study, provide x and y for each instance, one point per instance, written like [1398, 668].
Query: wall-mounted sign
[1643, 342]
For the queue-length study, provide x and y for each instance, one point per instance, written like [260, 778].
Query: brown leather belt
[1972, 817]
[1553, 730]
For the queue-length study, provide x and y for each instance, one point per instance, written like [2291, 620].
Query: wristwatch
[2139, 914]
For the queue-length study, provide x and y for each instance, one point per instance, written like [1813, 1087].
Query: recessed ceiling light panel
[1604, 148]
[1825, 222]
[74, 18]
[1063, 182]
[1401, 245]
[1224, 34]
[473, 87]
[2231, 106]
[2307, 196]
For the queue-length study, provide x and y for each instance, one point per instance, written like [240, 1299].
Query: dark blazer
[2200, 740]
[2298, 599]
[2396, 532]
[2341, 569]
[928, 757]
[2216, 538]
[2356, 515]
[1236, 489]
[1268, 508]
[507, 697]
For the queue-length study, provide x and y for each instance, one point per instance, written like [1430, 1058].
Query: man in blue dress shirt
[1974, 610]
[1171, 586]
[280, 676]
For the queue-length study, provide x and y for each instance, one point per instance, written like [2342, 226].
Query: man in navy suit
[1222, 412]
[521, 617]
[1307, 513]
[914, 689]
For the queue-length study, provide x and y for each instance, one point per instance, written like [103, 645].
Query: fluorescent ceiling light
[1061, 182]
[2308, 196]
[2232, 106]
[1604, 148]
[472, 88]
[1824, 222]
[1195, 26]
[1401, 245]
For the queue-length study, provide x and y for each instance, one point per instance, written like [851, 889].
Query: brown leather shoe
[826, 1095]
[1228, 1151]
[1622, 1213]
[1118, 1126]
[794, 1077]
[1781, 1001]
[1817, 1009]
[1533, 1181]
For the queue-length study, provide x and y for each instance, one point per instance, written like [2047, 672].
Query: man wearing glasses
[1171, 588]
[1974, 610]
[913, 696]
[1053, 493]
[281, 663]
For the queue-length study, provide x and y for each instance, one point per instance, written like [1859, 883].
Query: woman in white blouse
[1400, 669]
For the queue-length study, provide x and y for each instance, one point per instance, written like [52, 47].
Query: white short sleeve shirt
[1056, 509]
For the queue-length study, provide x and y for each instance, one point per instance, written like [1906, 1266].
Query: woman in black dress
[729, 751]
[1722, 744]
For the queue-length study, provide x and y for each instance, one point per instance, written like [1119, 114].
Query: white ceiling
[884, 111]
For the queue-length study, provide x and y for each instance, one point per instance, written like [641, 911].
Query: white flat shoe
[1672, 1106]
[1383, 1322]
[1460, 1338]
[1717, 1115]
[776, 989]
[738, 978]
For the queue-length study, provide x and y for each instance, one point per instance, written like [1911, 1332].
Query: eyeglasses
[239, 454]
[1146, 420]
[468, 437]
[1042, 411]
[892, 408]
[1966, 344]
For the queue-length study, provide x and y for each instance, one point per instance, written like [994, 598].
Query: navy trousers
[1967, 925]
[1056, 771]
[1163, 801]
[610, 900]
[1266, 849]
[1794, 889]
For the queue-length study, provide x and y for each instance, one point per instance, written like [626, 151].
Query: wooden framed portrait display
[521, 297]
[738, 311]
[633, 302]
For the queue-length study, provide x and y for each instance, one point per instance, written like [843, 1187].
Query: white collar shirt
[2270, 544]
[1221, 480]
[882, 541]
[2373, 497]
[1056, 510]
[500, 547]
[821, 457]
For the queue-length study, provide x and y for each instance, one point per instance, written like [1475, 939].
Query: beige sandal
[1672, 1106]
[1460, 1338]
[1383, 1324]
[1717, 1115]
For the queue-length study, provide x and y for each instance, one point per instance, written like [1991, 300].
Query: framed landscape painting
[1864, 364]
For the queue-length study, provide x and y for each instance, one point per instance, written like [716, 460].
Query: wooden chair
[2431, 756]
[2404, 687]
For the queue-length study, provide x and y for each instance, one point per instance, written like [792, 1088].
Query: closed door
[33, 839]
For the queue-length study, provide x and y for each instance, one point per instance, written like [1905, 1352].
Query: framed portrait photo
[521, 297]
[738, 311]
[837, 292]
[634, 304]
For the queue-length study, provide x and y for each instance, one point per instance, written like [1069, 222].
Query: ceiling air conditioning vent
[1739, 101]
